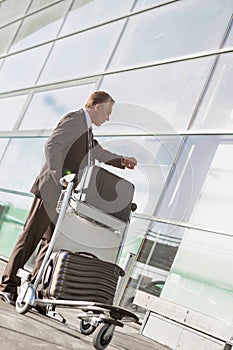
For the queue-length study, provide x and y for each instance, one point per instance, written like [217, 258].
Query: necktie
[90, 146]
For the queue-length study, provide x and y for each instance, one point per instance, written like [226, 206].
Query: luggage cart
[91, 314]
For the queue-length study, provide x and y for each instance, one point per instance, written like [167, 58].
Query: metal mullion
[5, 150]
[154, 219]
[33, 133]
[19, 193]
[134, 68]
[45, 132]
[49, 86]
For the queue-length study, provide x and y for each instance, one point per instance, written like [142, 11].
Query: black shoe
[8, 297]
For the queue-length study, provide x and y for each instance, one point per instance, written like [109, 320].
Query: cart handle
[68, 178]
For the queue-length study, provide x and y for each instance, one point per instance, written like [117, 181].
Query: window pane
[21, 164]
[6, 36]
[86, 13]
[82, 54]
[178, 29]
[170, 91]
[11, 108]
[200, 188]
[47, 108]
[152, 267]
[155, 156]
[216, 110]
[200, 275]
[40, 27]
[10, 10]
[215, 206]
[12, 218]
[21, 70]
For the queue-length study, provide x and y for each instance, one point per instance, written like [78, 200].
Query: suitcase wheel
[86, 328]
[103, 337]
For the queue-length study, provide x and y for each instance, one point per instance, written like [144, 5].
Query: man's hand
[129, 162]
[65, 180]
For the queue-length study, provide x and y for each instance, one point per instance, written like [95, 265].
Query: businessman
[69, 149]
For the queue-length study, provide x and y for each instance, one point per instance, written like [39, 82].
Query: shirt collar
[88, 118]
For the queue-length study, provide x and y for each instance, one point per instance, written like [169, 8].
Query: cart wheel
[99, 340]
[22, 308]
[86, 328]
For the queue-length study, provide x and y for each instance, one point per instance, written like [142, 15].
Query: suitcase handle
[122, 272]
[47, 275]
[88, 254]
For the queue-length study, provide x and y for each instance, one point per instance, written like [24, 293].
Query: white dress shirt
[88, 118]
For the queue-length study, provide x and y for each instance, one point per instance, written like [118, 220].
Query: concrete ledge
[217, 328]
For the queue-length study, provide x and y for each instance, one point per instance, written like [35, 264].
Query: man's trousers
[39, 226]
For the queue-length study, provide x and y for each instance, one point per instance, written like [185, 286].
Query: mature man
[68, 150]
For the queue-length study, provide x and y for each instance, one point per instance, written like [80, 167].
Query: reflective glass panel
[19, 201]
[215, 206]
[82, 54]
[6, 36]
[21, 70]
[182, 28]
[10, 10]
[169, 91]
[21, 163]
[216, 109]
[200, 277]
[156, 256]
[47, 108]
[200, 189]
[87, 13]
[39, 27]
[14, 209]
[10, 108]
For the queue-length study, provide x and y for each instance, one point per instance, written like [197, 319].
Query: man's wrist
[122, 162]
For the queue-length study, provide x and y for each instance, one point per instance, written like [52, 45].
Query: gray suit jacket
[66, 150]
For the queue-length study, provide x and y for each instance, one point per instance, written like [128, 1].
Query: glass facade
[168, 64]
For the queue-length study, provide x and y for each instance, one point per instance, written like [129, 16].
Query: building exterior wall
[168, 64]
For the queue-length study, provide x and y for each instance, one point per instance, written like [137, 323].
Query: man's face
[102, 112]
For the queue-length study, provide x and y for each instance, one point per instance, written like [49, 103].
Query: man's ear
[98, 106]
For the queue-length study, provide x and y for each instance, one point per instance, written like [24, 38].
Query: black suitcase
[107, 192]
[80, 277]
